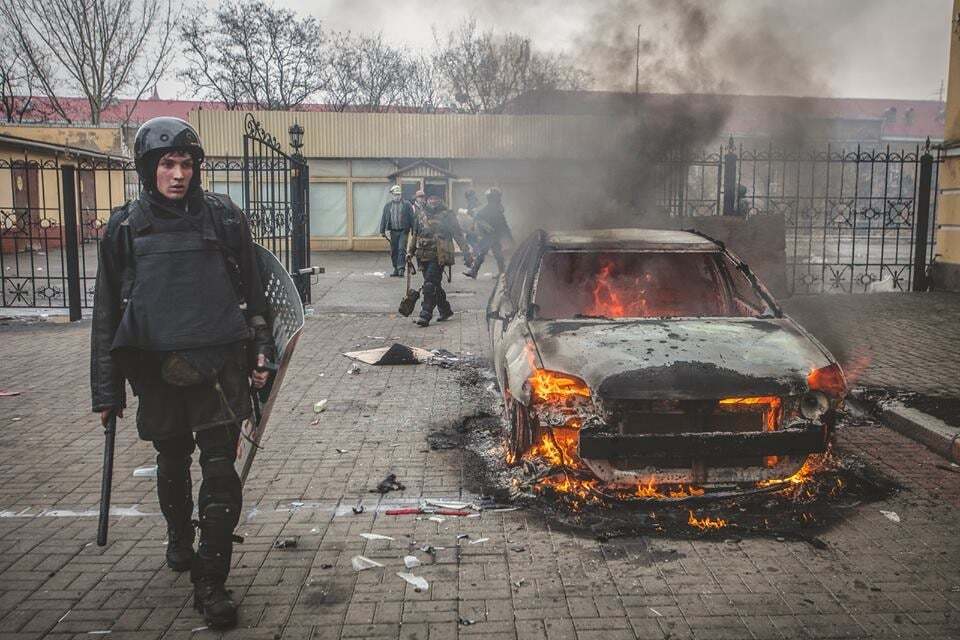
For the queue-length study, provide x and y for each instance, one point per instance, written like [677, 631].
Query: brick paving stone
[876, 579]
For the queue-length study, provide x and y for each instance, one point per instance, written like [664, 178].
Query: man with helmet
[397, 218]
[431, 241]
[490, 227]
[179, 312]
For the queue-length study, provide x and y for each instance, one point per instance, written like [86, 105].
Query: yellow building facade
[945, 272]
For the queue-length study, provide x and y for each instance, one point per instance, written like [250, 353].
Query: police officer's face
[174, 172]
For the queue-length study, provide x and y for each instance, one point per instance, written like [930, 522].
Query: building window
[369, 199]
[328, 209]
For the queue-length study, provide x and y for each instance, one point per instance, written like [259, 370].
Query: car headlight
[813, 405]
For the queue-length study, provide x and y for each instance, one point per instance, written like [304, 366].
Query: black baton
[110, 433]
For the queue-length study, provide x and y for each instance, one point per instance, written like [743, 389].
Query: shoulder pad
[222, 203]
[118, 216]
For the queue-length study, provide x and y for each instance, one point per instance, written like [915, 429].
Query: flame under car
[650, 357]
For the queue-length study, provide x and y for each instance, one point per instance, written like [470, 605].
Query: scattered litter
[6, 393]
[393, 355]
[890, 515]
[465, 621]
[411, 561]
[462, 536]
[655, 612]
[374, 536]
[326, 565]
[320, 406]
[342, 451]
[285, 543]
[444, 504]
[361, 563]
[431, 550]
[315, 422]
[357, 510]
[388, 484]
[145, 472]
[437, 519]
[479, 540]
[518, 549]
[519, 583]
[296, 504]
[198, 629]
[15, 419]
[504, 509]
[64, 616]
[419, 584]
[354, 370]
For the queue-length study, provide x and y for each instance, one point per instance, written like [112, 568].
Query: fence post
[921, 225]
[730, 181]
[68, 180]
[298, 232]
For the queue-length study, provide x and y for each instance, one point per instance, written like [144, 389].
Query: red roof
[748, 115]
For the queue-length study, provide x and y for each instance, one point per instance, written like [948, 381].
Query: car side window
[517, 269]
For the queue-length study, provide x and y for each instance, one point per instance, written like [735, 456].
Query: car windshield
[623, 284]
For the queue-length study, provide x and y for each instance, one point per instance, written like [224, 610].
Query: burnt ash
[689, 376]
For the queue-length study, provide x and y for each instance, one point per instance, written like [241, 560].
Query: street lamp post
[300, 217]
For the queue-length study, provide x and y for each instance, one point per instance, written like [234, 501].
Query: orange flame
[617, 299]
[553, 386]
[706, 524]
[829, 380]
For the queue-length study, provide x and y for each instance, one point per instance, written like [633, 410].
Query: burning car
[649, 357]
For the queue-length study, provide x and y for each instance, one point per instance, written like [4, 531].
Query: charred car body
[651, 356]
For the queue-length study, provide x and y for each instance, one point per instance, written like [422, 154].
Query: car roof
[630, 239]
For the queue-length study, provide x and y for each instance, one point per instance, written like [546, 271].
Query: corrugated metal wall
[389, 135]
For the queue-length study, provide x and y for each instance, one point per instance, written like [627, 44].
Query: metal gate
[275, 199]
[857, 220]
[53, 214]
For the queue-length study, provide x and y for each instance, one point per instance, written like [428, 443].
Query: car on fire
[655, 356]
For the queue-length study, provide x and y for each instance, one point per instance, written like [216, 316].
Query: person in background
[397, 218]
[419, 201]
[431, 241]
[468, 225]
[491, 229]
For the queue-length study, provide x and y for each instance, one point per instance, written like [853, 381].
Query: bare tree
[484, 71]
[97, 48]
[18, 83]
[380, 72]
[250, 54]
[421, 84]
[343, 68]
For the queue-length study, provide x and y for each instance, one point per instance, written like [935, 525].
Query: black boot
[211, 600]
[470, 274]
[180, 546]
[422, 322]
[445, 315]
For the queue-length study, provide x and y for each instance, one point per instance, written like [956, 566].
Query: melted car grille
[637, 417]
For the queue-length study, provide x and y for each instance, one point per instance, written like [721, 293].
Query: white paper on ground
[891, 515]
[361, 563]
[416, 581]
[411, 561]
[374, 536]
[145, 472]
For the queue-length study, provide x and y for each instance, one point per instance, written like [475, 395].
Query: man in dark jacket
[397, 218]
[491, 228]
[431, 242]
[179, 312]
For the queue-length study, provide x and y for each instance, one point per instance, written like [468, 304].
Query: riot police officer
[434, 231]
[179, 312]
[491, 228]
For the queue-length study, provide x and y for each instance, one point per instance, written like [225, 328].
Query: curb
[928, 430]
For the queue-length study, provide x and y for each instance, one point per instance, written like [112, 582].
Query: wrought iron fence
[53, 214]
[856, 220]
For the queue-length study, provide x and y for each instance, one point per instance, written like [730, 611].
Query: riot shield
[286, 318]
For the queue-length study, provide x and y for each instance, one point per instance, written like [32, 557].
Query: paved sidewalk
[900, 341]
[876, 578]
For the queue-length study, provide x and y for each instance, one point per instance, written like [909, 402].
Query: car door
[504, 315]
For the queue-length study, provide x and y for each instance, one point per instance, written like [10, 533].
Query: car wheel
[519, 440]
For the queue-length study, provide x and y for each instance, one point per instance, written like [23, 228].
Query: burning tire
[520, 437]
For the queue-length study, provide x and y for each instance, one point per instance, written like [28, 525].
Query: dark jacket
[433, 234]
[490, 221]
[233, 230]
[396, 216]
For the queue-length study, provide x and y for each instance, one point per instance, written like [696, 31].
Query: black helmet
[470, 194]
[494, 194]
[161, 135]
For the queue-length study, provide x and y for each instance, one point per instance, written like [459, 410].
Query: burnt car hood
[681, 359]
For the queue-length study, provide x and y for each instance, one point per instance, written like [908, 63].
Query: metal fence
[53, 214]
[857, 219]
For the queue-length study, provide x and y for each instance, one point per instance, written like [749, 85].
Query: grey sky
[848, 48]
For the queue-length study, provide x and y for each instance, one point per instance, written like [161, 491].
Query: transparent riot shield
[286, 317]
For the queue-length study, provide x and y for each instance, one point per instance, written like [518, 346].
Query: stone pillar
[945, 273]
